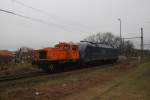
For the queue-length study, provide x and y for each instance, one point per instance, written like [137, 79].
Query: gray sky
[71, 20]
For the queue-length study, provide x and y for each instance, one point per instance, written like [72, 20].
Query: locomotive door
[67, 51]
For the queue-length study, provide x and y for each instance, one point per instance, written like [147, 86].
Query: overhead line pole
[120, 35]
[142, 45]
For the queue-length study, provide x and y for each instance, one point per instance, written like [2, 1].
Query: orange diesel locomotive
[47, 58]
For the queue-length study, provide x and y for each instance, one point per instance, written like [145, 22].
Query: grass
[134, 86]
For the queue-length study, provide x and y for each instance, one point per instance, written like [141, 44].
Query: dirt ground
[105, 82]
[16, 68]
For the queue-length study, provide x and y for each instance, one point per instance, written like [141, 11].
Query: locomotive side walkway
[127, 81]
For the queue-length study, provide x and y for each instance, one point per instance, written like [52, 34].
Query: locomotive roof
[85, 43]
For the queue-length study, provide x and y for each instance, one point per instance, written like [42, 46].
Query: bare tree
[105, 38]
[24, 54]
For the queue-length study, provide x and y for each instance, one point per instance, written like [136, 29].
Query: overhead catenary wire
[35, 19]
[36, 9]
[52, 16]
[6, 11]
[26, 17]
[132, 38]
[147, 44]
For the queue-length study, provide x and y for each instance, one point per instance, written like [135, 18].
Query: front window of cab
[42, 54]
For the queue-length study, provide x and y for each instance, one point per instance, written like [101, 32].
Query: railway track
[40, 73]
[21, 76]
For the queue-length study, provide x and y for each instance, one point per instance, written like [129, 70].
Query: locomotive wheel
[50, 67]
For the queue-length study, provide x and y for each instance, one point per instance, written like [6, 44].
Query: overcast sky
[70, 20]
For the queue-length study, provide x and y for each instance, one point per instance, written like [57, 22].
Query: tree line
[127, 47]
